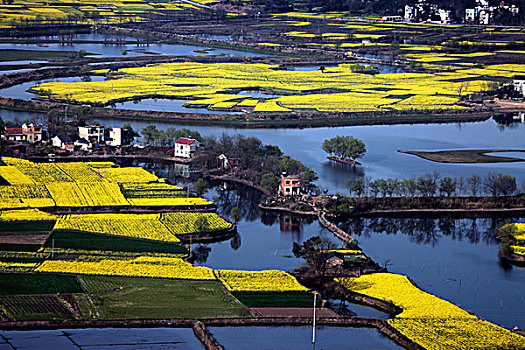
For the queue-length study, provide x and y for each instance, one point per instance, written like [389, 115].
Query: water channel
[132, 48]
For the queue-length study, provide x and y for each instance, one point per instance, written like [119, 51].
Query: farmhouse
[290, 185]
[13, 134]
[32, 132]
[65, 142]
[185, 147]
[519, 84]
[92, 133]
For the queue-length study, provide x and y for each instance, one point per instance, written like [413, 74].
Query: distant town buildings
[185, 147]
[482, 13]
[426, 12]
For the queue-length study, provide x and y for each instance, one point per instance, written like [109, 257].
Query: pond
[20, 90]
[104, 338]
[292, 338]
[109, 49]
[163, 105]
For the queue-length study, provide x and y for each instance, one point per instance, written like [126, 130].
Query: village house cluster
[426, 12]
[87, 137]
[483, 13]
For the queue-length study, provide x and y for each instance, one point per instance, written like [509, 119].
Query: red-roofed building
[185, 147]
[13, 134]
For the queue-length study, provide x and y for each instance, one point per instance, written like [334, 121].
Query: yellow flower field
[127, 175]
[168, 201]
[14, 176]
[25, 215]
[141, 226]
[93, 11]
[430, 321]
[349, 91]
[259, 281]
[184, 223]
[154, 267]
[77, 184]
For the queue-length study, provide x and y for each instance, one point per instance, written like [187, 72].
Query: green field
[116, 298]
[18, 283]
[27, 226]
[89, 241]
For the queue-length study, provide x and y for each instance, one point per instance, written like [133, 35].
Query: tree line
[429, 185]
[154, 137]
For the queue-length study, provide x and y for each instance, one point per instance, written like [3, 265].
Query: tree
[474, 184]
[447, 186]
[356, 186]
[374, 188]
[269, 182]
[236, 214]
[409, 187]
[201, 253]
[150, 134]
[506, 185]
[490, 184]
[426, 185]
[344, 147]
[392, 186]
[201, 224]
[314, 251]
[200, 187]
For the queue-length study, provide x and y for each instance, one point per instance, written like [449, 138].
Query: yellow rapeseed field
[259, 281]
[348, 91]
[431, 321]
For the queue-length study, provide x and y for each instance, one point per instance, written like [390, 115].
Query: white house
[115, 137]
[83, 144]
[186, 148]
[66, 142]
[519, 83]
[92, 133]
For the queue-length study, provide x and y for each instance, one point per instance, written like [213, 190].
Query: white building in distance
[186, 148]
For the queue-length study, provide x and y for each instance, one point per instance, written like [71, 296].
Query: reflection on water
[288, 338]
[429, 231]
[105, 338]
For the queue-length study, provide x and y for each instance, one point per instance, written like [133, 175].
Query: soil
[466, 156]
[23, 238]
[293, 311]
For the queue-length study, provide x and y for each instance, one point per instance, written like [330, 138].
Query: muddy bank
[206, 338]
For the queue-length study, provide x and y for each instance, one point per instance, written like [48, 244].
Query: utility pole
[313, 323]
